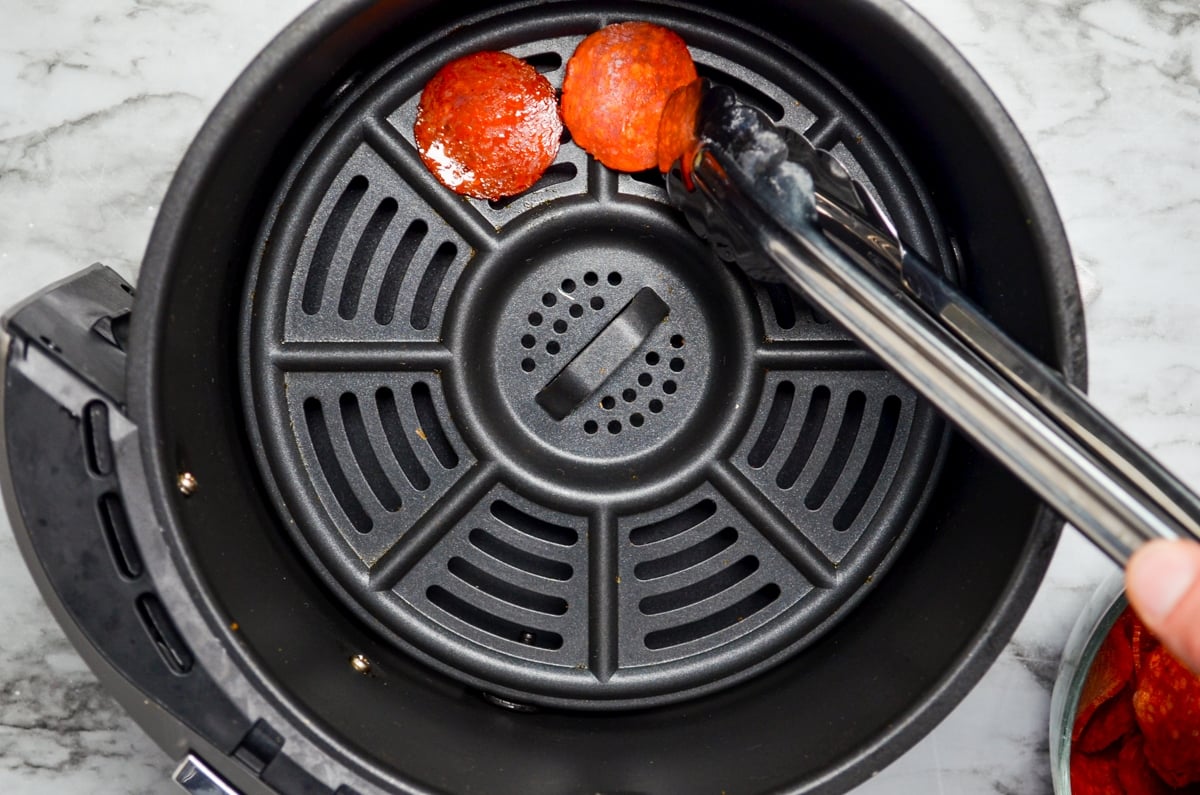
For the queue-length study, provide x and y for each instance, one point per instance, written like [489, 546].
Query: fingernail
[1160, 574]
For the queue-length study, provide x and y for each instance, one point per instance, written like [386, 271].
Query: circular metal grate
[549, 444]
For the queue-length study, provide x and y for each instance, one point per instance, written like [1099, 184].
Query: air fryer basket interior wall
[854, 697]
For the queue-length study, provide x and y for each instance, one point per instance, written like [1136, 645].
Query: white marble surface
[98, 101]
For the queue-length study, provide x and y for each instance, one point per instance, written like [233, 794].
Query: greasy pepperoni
[488, 125]
[617, 83]
[677, 129]
[1111, 671]
[1111, 722]
[1135, 773]
[1095, 774]
[1167, 704]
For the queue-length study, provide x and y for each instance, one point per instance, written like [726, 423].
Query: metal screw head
[187, 483]
[360, 664]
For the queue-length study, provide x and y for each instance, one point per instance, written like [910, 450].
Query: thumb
[1163, 585]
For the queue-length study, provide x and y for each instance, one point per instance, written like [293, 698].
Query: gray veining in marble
[98, 100]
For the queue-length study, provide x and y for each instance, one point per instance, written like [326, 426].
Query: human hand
[1162, 582]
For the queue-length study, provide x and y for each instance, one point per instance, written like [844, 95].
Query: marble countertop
[99, 100]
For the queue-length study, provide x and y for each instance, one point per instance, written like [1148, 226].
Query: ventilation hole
[97, 443]
[590, 279]
[389, 288]
[431, 426]
[492, 624]
[364, 253]
[49, 343]
[707, 588]
[497, 588]
[651, 358]
[552, 348]
[645, 379]
[576, 310]
[127, 288]
[590, 427]
[868, 478]
[810, 430]
[677, 341]
[544, 61]
[549, 299]
[782, 305]
[561, 326]
[518, 558]
[568, 286]
[673, 525]
[656, 406]
[393, 429]
[431, 284]
[528, 365]
[745, 92]
[670, 387]
[687, 558]
[535, 319]
[565, 138]
[677, 365]
[710, 625]
[629, 395]
[318, 434]
[651, 176]
[614, 427]
[608, 402]
[533, 526]
[166, 638]
[777, 417]
[637, 420]
[528, 341]
[614, 278]
[556, 174]
[842, 447]
[597, 303]
[327, 244]
[364, 454]
[119, 536]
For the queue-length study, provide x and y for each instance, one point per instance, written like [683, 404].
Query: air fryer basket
[744, 558]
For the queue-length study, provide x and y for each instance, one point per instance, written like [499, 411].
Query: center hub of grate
[598, 342]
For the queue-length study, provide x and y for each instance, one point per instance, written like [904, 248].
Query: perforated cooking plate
[549, 444]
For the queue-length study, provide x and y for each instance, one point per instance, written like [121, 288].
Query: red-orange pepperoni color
[677, 129]
[617, 84]
[488, 125]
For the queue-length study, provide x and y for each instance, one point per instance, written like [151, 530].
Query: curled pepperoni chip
[1113, 720]
[1135, 773]
[1111, 671]
[677, 129]
[617, 83]
[1095, 774]
[488, 125]
[1167, 706]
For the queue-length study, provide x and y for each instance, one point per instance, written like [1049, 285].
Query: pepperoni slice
[616, 86]
[1112, 721]
[1167, 705]
[1135, 773]
[1095, 774]
[1111, 671]
[488, 125]
[677, 128]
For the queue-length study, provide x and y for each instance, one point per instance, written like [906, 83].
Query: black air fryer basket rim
[289, 52]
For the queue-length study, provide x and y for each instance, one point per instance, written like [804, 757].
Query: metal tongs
[783, 210]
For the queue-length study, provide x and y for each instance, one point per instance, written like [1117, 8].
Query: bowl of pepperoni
[1125, 714]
